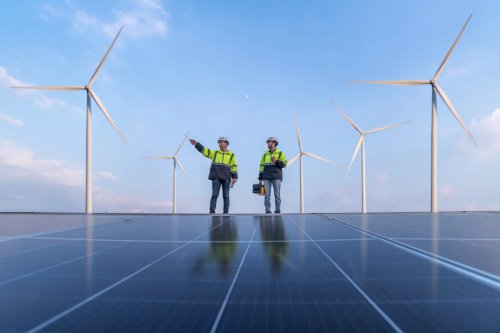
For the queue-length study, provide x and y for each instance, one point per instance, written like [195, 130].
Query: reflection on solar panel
[239, 273]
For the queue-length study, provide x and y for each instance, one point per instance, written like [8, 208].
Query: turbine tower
[90, 94]
[361, 143]
[435, 89]
[176, 163]
[299, 155]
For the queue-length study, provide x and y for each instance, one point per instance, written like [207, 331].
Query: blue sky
[243, 69]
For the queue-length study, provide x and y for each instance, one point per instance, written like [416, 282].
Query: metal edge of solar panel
[251, 273]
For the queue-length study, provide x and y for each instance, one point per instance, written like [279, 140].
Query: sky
[245, 69]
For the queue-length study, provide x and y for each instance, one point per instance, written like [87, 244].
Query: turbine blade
[180, 166]
[182, 143]
[51, 87]
[347, 118]
[356, 150]
[98, 69]
[106, 114]
[395, 82]
[159, 157]
[386, 127]
[318, 157]
[298, 133]
[447, 57]
[293, 159]
[450, 106]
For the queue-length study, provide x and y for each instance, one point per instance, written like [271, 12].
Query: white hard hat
[223, 138]
[273, 138]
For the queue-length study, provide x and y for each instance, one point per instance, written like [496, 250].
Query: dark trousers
[216, 185]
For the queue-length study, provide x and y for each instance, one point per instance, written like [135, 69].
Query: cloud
[447, 191]
[45, 102]
[36, 183]
[7, 81]
[115, 202]
[487, 134]
[459, 71]
[142, 18]
[59, 171]
[12, 121]
[108, 175]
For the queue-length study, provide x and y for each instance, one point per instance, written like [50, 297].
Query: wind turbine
[90, 94]
[361, 143]
[176, 162]
[299, 156]
[435, 89]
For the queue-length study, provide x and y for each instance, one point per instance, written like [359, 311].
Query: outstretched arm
[209, 153]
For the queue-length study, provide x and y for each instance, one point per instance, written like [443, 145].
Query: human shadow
[223, 245]
[273, 235]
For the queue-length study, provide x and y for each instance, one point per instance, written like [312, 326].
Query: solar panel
[270, 273]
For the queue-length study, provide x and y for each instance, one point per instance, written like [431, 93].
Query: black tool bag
[258, 189]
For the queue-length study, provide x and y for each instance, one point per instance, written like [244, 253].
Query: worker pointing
[223, 171]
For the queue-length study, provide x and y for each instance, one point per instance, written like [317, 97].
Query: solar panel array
[246, 273]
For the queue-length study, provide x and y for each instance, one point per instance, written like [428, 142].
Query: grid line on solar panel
[96, 231]
[84, 219]
[35, 249]
[41, 233]
[483, 277]
[140, 225]
[103, 291]
[200, 241]
[356, 286]
[91, 232]
[87, 255]
[447, 225]
[228, 294]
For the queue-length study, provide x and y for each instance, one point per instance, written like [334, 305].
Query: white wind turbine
[90, 94]
[435, 89]
[176, 163]
[299, 155]
[361, 144]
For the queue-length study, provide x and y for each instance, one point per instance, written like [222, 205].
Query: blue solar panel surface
[272, 273]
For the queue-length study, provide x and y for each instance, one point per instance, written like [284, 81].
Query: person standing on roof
[223, 171]
[271, 172]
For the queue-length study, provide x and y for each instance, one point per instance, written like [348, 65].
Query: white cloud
[487, 134]
[142, 18]
[59, 171]
[115, 202]
[7, 81]
[22, 166]
[459, 71]
[381, 177]
[51, 11]
[108, 175]
[45, 102]
[10, 120]
[447, 191]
